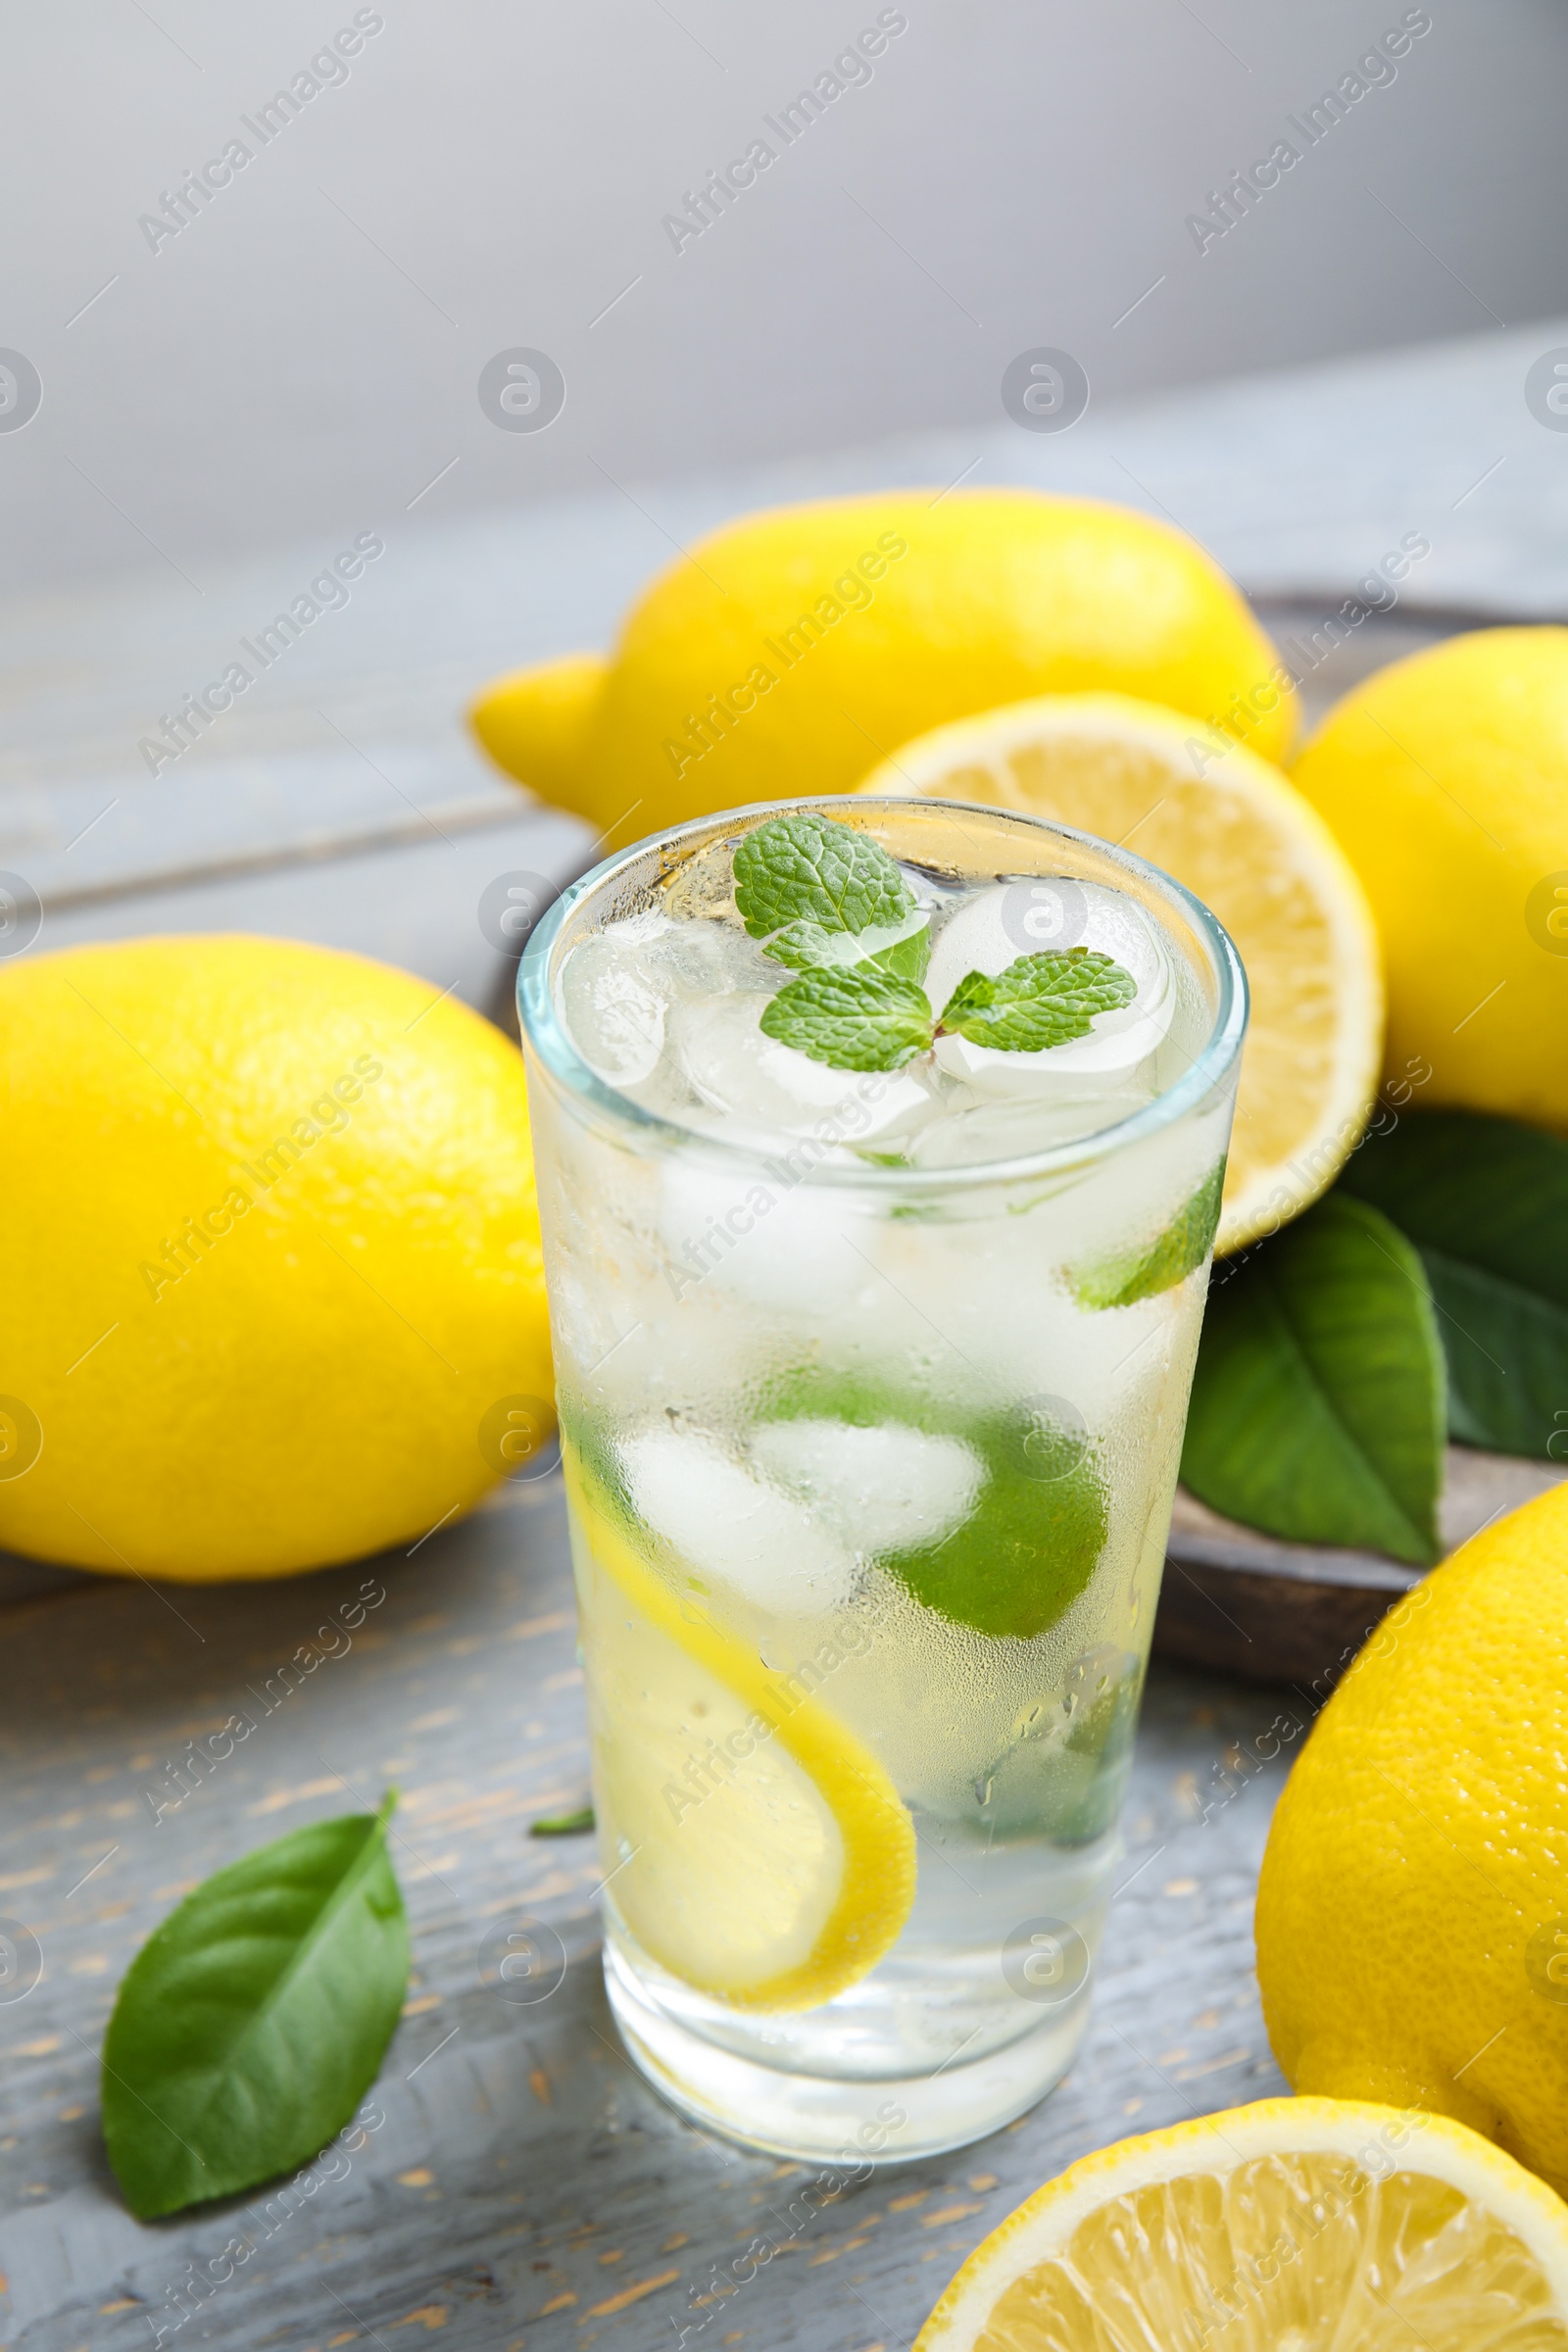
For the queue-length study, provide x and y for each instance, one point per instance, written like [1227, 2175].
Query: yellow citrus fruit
[533, 724]
[1445, 779]
[791, 1871]
[1295, 2225]
[1412, 1915]
[272, 1259]
[789, 649]
[1228, 824]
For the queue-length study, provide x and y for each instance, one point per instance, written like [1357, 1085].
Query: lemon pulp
[1293, 2226]
[1290, 2253]
[1234, 830]
[755, 1848]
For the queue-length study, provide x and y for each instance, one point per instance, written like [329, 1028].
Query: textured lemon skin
[534, 723]
[941, 609]
[311, 1386]
[1422, 1840]
[1373, 2133]
[1445, 779]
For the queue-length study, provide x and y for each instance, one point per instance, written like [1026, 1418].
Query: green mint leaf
[862, 1018]
[1317, 1409]
[810, 869]
[563, 1825]
[252, 2023]
[803, 945]
[1184, 1243]
[1039, 1001]
[907, 956]
[904, 948]
[1485, 1203]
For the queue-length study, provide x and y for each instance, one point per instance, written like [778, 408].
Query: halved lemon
[755, 1846]
[1232, 827]
[1295, 2226]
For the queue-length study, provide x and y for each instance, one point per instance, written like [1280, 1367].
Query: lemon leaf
[1485, 1203]
[250, 2024]
[1319, 1400]
[863, 1018]
[1038, 1001]
[807, 868]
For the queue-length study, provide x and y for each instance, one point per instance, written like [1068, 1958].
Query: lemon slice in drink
[1295, 2226]
[755, 1848]
[1230, 826]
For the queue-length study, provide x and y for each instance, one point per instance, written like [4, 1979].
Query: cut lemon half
[754, 1847]
[1295, 2226]
[1230, 826]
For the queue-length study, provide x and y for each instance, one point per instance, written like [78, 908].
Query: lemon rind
[877, 1884]
[1281, 1190]
[1387, 2139]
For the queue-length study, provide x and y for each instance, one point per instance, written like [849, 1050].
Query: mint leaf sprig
[819, 893]
[801, 869]
[829, 901]
[863, 1018]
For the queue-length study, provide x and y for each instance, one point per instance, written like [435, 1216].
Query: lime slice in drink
[1017, 1559]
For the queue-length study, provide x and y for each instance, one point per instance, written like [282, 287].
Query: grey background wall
[301, 359]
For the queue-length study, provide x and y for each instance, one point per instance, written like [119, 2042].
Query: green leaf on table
[563, 1825]
[1319, 1400]
[1184, 1243]
[1039, 1001]
[801, 869]
[903, 948]
[862, 1018]
[250, 2024]
[1485, 1203]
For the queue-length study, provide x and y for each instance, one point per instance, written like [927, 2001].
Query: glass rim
[543, 1030]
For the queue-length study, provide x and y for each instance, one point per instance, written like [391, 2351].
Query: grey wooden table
[524, 2186]
[521, 2186]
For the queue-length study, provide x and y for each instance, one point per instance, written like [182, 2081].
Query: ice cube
[881, 1488]
[734, 1526]
[764, 1233]
[775, 1090]
[1020, 918]
[979, 1127]
[710, 958]
[618, 988]
[612, 1007]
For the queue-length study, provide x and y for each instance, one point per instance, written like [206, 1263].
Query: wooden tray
[1277, 1612]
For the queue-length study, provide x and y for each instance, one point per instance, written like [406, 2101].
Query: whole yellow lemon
[1445, 779]
[1412, 1915]
[273, 1262]
[790, 651]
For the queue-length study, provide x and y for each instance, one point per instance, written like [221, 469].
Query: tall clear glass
[870, 1468]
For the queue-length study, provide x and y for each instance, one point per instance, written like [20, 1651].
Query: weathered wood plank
[521, 2165]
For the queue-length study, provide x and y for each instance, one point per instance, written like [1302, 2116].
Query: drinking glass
[870, 1455]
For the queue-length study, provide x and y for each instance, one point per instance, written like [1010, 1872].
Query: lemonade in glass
[880, 1146]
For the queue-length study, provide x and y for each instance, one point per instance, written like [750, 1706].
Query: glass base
[832, 2120]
